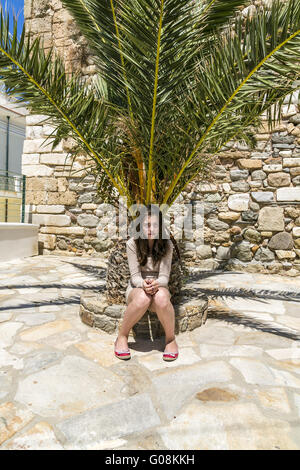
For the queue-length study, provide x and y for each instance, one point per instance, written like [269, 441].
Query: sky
[18, 7]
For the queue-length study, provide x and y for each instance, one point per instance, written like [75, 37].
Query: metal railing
[12, 196]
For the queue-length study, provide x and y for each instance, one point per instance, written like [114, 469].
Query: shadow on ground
[229, 316]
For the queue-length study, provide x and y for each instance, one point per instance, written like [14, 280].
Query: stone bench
[97, 312]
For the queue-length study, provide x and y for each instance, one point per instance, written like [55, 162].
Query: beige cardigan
[159, 270]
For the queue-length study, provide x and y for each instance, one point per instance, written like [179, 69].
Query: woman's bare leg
[165, 312]
[138, 303]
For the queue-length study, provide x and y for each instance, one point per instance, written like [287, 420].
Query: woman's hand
[150, 286]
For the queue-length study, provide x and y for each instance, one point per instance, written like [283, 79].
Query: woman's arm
[165, 267]
[134, 265]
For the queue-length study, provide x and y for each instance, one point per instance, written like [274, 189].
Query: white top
[159, 270]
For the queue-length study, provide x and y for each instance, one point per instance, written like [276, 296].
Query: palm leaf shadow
[74, 299]
[216, 311]
[231, 316]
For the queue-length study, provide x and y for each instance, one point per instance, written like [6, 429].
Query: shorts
[129, 289]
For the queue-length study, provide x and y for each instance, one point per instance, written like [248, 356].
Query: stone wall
[252, 211]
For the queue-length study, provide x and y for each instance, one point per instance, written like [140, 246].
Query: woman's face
[151, 226]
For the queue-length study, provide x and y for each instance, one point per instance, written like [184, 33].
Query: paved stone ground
[236, 384]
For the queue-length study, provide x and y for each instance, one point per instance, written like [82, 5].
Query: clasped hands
[150, 286]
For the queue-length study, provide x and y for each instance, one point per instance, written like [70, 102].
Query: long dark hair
[160, 245]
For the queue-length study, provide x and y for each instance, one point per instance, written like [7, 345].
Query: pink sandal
[123, 354]
[170, 356]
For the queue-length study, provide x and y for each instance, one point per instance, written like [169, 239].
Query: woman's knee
[161, 298]
[140, 298]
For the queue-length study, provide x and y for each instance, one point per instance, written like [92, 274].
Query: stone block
[36, 170]
[213, 197]
[260, 155]
[258, 175]
[279, 179]
[105, 323]
[38, 25]
[30, 159]
[34, 132]
[226, 187]
[297, 242]
[223, 252]
[271, 219]
[216, 224]
[27, 9]
[88, 220]
[281, 241]
[208, 188]
[63, 230]
[239, 202]
[285, 254]
[288, 194]
[62, 184]
[35, 197]
[49, 241]
[255, 184]
[67, 198]
[56, 159]
[262, 137]
[204, 251]
[242, 186]
[52, 209]
[262, 196]
[89, 198]
[94, 303]
[56, 220]
[41, 184]
[86, 316]
[289, 110]
[286, 153]
[34, 119]
[272, 168]
[229, 216]
[292, 212]
[296, 180]
[290, 162]
[89, 206]
[252, 235]
[49, 130]
[39, 437]
[249, 163]
[296, 231]
[40, 146]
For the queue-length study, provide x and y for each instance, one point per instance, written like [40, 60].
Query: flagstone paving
[235, 385]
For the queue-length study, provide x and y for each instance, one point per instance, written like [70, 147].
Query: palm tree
[176, 80]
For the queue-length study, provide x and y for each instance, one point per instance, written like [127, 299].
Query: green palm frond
[241, 80]
[74, 108]
[217, 13]
[175, 82]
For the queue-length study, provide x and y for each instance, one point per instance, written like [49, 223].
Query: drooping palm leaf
[144, 50]
[75, 109]
[232, 93]
[176, 81]
[157, 42]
